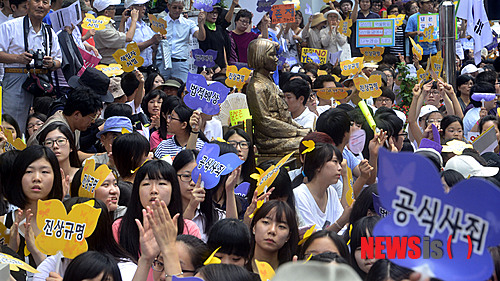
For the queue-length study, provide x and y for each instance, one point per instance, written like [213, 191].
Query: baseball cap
[317, 271]
[116, 124]
[129, 3]
[426, 109]
[115, 88]
[468, 69]
[94, 79]
[469, 167]
[101, 5]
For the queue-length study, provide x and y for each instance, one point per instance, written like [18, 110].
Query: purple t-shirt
[242, 42]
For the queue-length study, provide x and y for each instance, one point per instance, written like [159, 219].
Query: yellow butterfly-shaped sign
[322, 72]
[129, 59]
[266, 272]
[91, 22]
[267, 178]
[337, 79]
[456, 146]
[417, 49]
[111, 70]
[351, 66]
[158, 25]
[372, 54]
[296, 3]
[237, 78]
[428, 34]
[212, 259]
[345, 27]
[92, 178]
[62, 231]
[337, 93]
[422, 75]
[308, 234]
[437, 63]
[13, 144]
[16, 264]
[368, 87]
[399, 18]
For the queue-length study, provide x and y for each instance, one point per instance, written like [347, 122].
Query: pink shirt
[155, 139]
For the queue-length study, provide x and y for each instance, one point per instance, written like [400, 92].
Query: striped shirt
[171, 147]
[399, 41]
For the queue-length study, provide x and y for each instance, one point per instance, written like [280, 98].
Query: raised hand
[147, 240]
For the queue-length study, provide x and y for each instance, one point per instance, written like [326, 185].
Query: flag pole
[447, 40]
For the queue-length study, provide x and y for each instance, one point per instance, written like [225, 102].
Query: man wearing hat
[94, 79]
[108, 40]
[424, 7]
[112, 128]
[16, 101]
[312, 29]
[170, 87]
[144, 36]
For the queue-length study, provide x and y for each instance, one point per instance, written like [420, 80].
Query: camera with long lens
[37, 58]
[140, 119]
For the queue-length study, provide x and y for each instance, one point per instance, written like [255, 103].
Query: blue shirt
[178, 32]
[143, 33]
[412, 26]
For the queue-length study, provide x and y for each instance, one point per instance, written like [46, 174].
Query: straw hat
[317, 19]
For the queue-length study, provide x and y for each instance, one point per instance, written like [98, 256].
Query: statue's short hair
[256, 49]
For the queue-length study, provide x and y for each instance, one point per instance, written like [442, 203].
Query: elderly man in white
[17, 101]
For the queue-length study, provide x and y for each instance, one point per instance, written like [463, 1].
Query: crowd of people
[157, 221]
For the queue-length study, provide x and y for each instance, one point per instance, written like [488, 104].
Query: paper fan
[233, 102]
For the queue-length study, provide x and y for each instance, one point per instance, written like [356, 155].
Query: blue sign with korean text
[454, 230]
[204, 97]
[211, 166]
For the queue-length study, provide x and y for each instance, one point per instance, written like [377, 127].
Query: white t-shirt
[306, 119]
[311, 213]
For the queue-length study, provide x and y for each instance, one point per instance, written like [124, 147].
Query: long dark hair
[149, 96]
[207, 210]
[148, 84]
[285, 214]
[63, 128]
[102, 239]
[249, 166]
[168, 104]
[129, 151]
[14, 191]
[362, 228]
[90, 264]
[154, 169]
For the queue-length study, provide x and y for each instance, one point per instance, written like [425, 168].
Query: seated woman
[274, 235]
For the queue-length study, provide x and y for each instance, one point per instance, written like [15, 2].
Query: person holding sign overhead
[146, 39]
[364, 13]
[425, 7]
[108, 40]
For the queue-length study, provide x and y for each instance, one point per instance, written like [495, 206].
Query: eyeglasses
[93, 118]
[184, 177]
[404, 135]
[60, 142]
[242, 144]
[384, 100]
[37, 124]
[170, 118]
[244, 21]
[434, 121]
[157, 265]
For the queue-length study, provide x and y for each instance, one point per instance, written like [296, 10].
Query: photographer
[40, 55]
